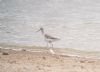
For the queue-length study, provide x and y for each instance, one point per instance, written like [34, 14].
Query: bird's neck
[42, 32]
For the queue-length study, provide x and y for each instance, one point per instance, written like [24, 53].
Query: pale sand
[25, 61]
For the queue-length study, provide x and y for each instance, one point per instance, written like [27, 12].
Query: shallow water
[76, 23]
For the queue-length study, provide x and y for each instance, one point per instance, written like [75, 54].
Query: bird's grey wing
[50, 37]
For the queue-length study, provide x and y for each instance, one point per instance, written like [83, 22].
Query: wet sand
[25, 61]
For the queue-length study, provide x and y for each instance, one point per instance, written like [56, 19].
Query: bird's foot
[52, 52]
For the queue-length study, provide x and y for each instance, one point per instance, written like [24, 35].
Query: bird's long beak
[38, 30]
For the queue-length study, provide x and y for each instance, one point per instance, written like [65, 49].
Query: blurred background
[75, 22]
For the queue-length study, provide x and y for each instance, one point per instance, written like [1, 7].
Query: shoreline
[60, 51]
[69, 52]
[25, 61]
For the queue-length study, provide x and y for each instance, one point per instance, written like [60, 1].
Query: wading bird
[48, 39]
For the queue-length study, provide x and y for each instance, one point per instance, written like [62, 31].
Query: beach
[30, 28]
[43, 61]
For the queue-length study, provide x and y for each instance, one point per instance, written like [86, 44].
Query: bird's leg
[47, 45]
[52, 45]
[51, 50]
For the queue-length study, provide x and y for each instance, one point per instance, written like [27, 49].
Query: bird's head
[41, 29]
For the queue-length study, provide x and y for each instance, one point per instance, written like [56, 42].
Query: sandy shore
[25, 61]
